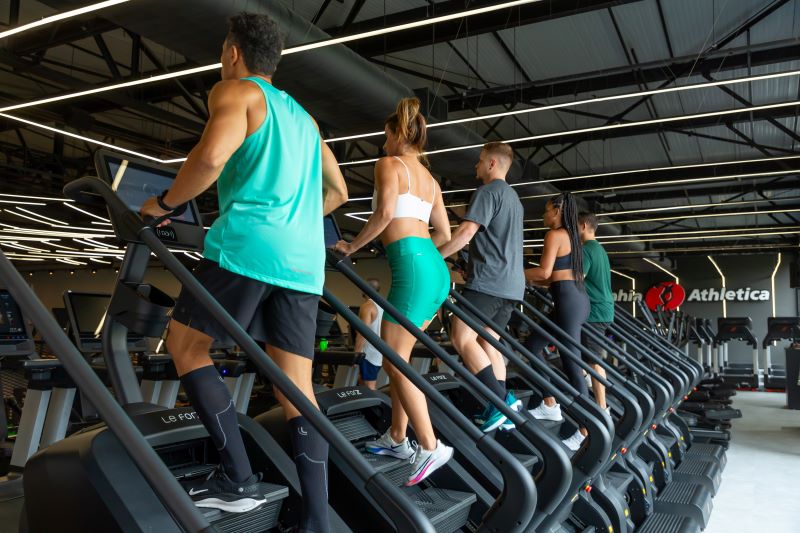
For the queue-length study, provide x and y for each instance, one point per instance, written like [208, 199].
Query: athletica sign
[667, 295]
[738, 295]
[657, 293]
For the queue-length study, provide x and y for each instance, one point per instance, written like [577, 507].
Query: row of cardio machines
[640, 469]
[761, 373]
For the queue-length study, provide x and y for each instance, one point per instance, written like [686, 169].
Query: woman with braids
[562, 269]
[406, 201]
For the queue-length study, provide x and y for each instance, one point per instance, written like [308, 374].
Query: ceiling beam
[459, 28]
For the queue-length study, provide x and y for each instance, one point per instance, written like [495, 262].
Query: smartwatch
[161, 204]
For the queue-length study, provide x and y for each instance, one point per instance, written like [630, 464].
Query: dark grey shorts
[283, 318]
[498, 309]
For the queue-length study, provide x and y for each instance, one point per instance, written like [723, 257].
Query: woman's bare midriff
[400, 228]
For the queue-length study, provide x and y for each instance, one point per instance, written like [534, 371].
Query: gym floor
[757, 493]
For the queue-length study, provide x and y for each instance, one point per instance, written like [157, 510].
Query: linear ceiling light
[633, 288]
[60, 16]
[587, 101]
[715, 249]
[619, 173]
[662, 269]
[623, 125]
[724, 286]
[682, 207]
[76, 208]
[772, 282]
[673, 182]
[605, 238]
[295, 49]
[82, 138]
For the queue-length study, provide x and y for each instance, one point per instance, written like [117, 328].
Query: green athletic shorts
[420, 279]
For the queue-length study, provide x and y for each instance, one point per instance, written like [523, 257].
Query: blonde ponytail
[409, 124]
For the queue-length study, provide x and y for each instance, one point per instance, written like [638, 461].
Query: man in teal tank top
[263, 260]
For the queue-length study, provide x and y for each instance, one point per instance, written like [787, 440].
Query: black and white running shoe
[219, 492]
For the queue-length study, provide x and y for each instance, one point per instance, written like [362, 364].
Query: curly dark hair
[259, 39]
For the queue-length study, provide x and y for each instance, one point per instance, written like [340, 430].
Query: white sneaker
[428, 461]
[385, 445]
[574, 442]
[544, 412]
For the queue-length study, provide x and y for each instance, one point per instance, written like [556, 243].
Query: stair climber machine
[86, 316]
[778, 329]
[643, 467]
[747, 375]
[452, 498]
[91, 469]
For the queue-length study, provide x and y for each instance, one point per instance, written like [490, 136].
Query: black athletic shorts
[589, 343]
[498, 309]
[283, 318]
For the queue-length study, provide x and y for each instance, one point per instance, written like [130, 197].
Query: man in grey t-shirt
[495, 279]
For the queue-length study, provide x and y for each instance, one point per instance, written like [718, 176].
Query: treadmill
[778, 329]
[747, 375]
[101, 476]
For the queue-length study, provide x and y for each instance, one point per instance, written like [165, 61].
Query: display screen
[89, 311]
[136, 183]
[12, 325]
[332, 235]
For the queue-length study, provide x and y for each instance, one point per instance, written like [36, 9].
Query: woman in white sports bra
[406, 202]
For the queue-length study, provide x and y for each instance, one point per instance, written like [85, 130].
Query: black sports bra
[563, 263]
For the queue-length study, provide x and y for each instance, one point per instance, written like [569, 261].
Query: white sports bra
[408, 205]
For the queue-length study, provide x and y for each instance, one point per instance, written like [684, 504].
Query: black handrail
[519, 493]
[632, 415]
[405, 515]
[164, 484]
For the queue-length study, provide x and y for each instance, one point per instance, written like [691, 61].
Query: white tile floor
[760, 490]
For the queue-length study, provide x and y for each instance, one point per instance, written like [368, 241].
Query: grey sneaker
[428, 461]
[385, 445]
[543, 412]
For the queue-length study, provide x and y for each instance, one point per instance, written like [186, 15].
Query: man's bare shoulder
[234, 89]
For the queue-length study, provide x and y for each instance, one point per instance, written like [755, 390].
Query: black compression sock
[486, 376]
[502, 383]
[212, 401]
[311, 459]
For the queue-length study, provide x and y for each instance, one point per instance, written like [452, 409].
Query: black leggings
[570, 311]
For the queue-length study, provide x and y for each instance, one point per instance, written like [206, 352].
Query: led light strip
[60, 16]
[82, 138]
[724, 286]
[76, 208]
[605, 238]
[793, 103]
[772, 282]
[39, 215]
[700, 237]
[633, 288]
[715, 249]
[672, 182]
[662, 269]
[587, 101]
[618, 173]
[682, 207]
[288, 51]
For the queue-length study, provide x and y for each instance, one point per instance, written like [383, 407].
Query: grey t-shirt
[495, 253]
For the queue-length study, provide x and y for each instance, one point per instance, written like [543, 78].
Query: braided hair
[569, 221]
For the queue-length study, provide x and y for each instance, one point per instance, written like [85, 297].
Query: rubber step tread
[448, 510]
[668, 523]
[677, 492]
[355, 427]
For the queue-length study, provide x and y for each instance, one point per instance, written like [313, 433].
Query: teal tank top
[270, 201]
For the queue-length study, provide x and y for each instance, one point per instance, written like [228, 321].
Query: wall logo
[738, 295]
[666, 294]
